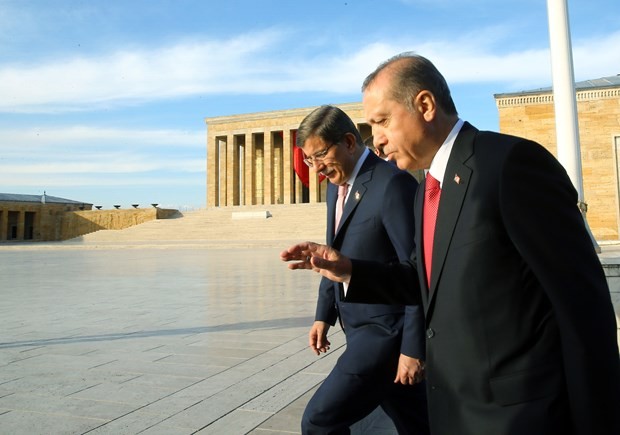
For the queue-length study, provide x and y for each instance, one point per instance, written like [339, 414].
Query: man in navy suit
[521, 333]
[375, 223]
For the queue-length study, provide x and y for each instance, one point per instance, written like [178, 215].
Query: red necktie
[432, 192]
[342, 194]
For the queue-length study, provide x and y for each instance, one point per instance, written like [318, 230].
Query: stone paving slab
[176, 340]
[160, 339]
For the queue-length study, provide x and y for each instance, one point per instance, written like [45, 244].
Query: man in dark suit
[521, 333]
[369, 216]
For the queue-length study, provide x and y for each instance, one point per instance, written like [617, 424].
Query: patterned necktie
[432, 192]
[342, 194]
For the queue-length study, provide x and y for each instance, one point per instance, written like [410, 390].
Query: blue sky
[103, 101]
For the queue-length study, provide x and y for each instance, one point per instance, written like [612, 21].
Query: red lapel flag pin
[457, 179]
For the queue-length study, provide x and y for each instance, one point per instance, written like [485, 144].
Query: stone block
[263, 214]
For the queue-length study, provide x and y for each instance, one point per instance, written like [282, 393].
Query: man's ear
[425, 104]
[350, 141]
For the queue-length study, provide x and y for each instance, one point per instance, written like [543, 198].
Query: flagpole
[565, 102]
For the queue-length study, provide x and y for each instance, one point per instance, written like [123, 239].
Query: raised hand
[321, 258]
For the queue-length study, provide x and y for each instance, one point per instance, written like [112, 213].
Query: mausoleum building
[252, 158]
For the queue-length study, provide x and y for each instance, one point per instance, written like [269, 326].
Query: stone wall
[77, 223]
[44, 225]
[533, 117]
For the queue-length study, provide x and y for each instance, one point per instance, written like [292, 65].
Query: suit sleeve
[539, 208]
[399, 222]
[373, 282]
[326, 302]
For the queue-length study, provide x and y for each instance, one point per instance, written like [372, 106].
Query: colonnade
[252, 159]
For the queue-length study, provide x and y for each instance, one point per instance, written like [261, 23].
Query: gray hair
[411, 74]
[329, 123]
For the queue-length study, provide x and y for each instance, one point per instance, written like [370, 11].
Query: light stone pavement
[176, 339]
[163, 338]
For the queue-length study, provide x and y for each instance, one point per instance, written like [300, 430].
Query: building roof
[602, 83]
[275, 114]
[16, 197]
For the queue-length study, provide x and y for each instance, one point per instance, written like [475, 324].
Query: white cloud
[81, 135]
[93, 156]
[109, 164]
[247, 64]
[97, 181]
[128, 76]
[597, 57]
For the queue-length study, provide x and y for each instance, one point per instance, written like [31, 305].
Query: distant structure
[34, 217]
[531, 114]
[252, 158]
[44, 218]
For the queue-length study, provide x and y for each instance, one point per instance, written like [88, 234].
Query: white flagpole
[565, 102]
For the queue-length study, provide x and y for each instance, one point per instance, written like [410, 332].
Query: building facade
[531, 114]
[252, 159]
[34, 217]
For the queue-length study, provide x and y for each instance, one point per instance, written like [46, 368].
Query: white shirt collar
[440, 161]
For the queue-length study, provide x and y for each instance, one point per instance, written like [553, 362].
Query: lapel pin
[357, 195]
[457, 179]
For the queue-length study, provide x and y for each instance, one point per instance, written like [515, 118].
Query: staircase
[217, 226]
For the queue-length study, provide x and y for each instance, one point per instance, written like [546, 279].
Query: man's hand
[317, 337]
[410, 370]
[321, 258]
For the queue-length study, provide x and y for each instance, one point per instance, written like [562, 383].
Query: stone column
[268, 150]
[212, 171]
[287, 172]
[250, 165]
[37, 222]
[21, 225]
[232, 171]
[222, 148]
[299, 190]
[4, 218]
[241, 144]
[315, 193]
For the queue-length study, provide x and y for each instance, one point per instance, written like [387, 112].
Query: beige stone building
[43, 218]
[531, 114]
[252, 159]
[34, 217]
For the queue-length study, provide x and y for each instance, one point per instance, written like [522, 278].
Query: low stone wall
[78, 223]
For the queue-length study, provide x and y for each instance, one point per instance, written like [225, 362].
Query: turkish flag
[301, 169]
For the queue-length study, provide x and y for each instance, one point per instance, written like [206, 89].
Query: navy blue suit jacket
[377, 224]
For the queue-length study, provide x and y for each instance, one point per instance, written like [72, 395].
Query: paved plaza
[161, 339]
[157, 340]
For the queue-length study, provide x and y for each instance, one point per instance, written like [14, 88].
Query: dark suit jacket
[521, 334]
[378, 224]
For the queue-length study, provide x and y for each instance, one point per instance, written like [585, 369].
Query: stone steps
[285, 222]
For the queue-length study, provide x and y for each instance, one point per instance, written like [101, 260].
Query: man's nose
[318, 166]
[379, 142]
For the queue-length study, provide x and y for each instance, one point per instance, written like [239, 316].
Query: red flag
[301, 169]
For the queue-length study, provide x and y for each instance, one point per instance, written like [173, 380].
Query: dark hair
[328, 123]
[411, 74]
